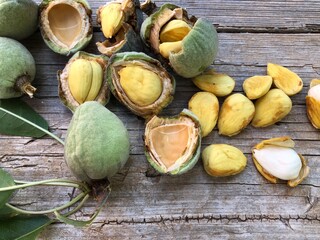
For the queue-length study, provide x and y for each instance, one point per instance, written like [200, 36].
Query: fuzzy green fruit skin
[199, 47]
[18, 19]
[15, 61]
[97, 143]
[187, 165]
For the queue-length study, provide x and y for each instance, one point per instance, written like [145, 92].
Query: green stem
[54, 182]
[77, 207]
[69, 204]
[35, 125]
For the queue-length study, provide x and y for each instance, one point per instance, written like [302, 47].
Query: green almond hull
[80, 44]
[64, 92]
[97, 143]
[199, 47]
[136, 56]
[130, 43]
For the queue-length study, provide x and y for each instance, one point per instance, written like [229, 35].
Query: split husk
[66, 25]
[276, 159]
[120, 23]
[197, 49]
[78, 82]
[140, 83]
[172, 144]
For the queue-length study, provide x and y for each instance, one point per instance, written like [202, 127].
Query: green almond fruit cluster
[97, 143]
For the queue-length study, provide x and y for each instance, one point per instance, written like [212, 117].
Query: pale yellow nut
[217, 83]
[174, 31]
[79, 79]
[96, 83]
[314, 82]
[142, 86]
[313, 104]
[257, 86]
[236, 113]
[112, 17]
[170, 47]
[285, 79]
[205, 106]
[276, 159]
[271, 108]
[220, 160]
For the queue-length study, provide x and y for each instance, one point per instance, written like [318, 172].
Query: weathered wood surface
[144, 205]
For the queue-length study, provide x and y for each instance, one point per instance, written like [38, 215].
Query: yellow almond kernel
[236, 113]
[221, 160]
[285, 79]
[112, 18]
[79, 79]
[205, 106]
[174, 31]
[96, 83]
[142, 86]
[219, 84]
[271, 108]
[170, 47]
[313, 105]
[257, 86]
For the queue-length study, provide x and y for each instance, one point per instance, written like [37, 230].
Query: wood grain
[145, 205]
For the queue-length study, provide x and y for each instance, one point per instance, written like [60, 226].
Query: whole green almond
[18, 19]
[97, 143]
[17, 69]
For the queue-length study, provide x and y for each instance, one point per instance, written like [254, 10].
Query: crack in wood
[211, 218]
[308, 28]
[312, 201]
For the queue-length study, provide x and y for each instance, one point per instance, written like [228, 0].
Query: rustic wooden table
[144, 205]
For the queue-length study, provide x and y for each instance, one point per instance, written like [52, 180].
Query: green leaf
[23, 227]
[14, 117]
[6, 212]
[76, 223]
[6, 180]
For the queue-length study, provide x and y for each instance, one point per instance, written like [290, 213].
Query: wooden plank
[144, 204]
[219, 227]
[248, 15]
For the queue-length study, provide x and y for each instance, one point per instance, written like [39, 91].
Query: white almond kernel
[283, 163]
